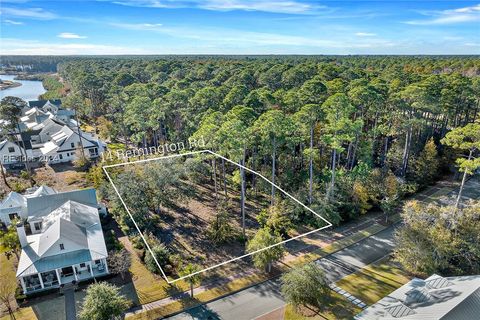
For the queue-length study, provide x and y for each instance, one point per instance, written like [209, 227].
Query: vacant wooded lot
[194, 209]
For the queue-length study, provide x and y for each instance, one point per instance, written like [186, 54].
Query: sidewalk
[350, 236]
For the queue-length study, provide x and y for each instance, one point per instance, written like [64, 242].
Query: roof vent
[399, 310]
[437, 282]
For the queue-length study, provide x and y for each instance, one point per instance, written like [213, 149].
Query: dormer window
[72, 144]
[37, 226]
[62, 247]
[11, 149]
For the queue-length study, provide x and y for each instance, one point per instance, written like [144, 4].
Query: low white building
[62, 239]
[435, 298]
[14, 206]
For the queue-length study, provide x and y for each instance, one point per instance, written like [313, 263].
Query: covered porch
[55, 278]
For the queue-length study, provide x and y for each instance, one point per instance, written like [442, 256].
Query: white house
[64, 144]
[52, 108]
[51, 135]
[62, 240]
[14, 206]
[11, 153]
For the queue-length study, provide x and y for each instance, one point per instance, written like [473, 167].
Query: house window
[60, 156]
[72, 144]
[62, 247]
[13, 216]
[11, 149]
[68, 154]
[37, 226]
[93, 152]
[98, 261]
[82, 265]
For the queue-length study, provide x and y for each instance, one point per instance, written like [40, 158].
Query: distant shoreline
[7, 84]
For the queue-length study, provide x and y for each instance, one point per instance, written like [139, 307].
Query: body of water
[29, 90]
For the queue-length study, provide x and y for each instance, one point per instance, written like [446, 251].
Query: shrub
[162, 254]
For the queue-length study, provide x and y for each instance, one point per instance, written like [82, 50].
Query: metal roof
[454, 298]
[75, 224]
[57, 261]
[468, 309]
[40, 206]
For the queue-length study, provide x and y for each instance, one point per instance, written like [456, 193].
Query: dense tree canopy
[328, 129]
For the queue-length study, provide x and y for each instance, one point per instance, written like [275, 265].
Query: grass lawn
[205, 296]
[7, 269]
[148, 286]
[339, 308]
[375, 281]
[22, 314]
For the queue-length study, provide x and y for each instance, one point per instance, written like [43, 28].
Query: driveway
[70, 309]
[261, 299]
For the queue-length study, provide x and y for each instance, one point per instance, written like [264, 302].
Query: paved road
[261, 299]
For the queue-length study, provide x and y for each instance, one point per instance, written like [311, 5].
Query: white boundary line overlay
[329, 224]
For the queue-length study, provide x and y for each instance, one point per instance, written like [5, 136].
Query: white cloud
[221, 37]
[33, 47]
[460, 15]
[7, 21]
[365, 34]
[274, 6]
[292, 7]
[33, 13]
[68, 35]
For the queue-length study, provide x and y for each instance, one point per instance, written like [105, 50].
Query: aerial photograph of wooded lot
[239, 160]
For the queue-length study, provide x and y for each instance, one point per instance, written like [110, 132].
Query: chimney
[22, 236]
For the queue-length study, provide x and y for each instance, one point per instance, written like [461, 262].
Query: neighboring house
[31, 118]
[53, 108]
[14, 206]
[10, 153]
[50, 135]
[62, 240]
[63, 146]
[451, 298]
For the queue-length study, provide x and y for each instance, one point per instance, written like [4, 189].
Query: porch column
[41, 280]
[106, 266]
[90, 266]
[75, 273]
[58, 276]
[24, 287]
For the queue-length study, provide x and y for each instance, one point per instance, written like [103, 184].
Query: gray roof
[41, 103]
[468, 309]
[51, 126]
[57, 261]
[61, 229]
[70, 218]
[451, 298]
[44, 205]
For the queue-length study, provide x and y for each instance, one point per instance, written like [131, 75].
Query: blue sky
[239, 27]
